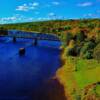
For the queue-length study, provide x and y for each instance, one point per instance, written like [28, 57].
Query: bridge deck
[38, 36]
[29, 37]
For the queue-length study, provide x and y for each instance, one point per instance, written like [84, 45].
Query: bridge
[30, 35]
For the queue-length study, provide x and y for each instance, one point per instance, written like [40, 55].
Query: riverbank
[61, 74]
[77, 81]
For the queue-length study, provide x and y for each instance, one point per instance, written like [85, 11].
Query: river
[23, 76]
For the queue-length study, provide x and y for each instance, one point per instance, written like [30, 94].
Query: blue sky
[12, 11]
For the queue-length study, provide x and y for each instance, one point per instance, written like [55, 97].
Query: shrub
[88, 55]
[71, 49]
[60, 29]
[67, 27]
[91, 25]
[96, 53]
[69, 37]
[77, 49]
[71, 52]
[98, 37]
[88, 46]
[80, 36]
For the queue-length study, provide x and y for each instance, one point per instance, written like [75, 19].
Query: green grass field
[88, 71]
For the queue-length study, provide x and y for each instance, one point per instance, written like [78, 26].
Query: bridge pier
[35, 42]
[22, 51]
[14, 39]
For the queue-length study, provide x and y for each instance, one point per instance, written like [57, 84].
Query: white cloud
[53, 3]
[15, 18]
[27, 7]
[90, 15]
[23, 7]
[34, 4]
[43, 18]
[51, 14]
[85, 4]
[56, 3]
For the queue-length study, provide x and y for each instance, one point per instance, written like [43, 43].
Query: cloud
[15, 18]
[51, 14]
[43, 18]
[85, 4]
[23, 7]
[53, 3]
[8, 19]
[27, 7]
[56, 3]
[90, 15]
[34, 4]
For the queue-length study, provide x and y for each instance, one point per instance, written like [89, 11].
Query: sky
[15, 11]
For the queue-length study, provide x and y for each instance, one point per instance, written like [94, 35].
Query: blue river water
[22, 76]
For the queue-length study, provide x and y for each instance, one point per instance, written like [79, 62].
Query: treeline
[3, 31]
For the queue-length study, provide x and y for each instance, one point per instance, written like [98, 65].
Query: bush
[67, 27]
[91, 25]
[69, 37]
[71, 52]
[88, 55]
[96, 53]
[87, 47]
[80, 36]
[98, 37]
[77, 49]
[60, 29]
[71, 49]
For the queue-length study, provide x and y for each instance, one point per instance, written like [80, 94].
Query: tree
[71, 49]
[69, 37]
[3, 31]
[80, 36]
[87, 47]
[67, 27]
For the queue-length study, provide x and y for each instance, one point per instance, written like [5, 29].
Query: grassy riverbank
[77, 82]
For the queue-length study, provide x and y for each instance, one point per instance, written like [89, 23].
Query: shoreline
[65, 76]
[59, 74]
